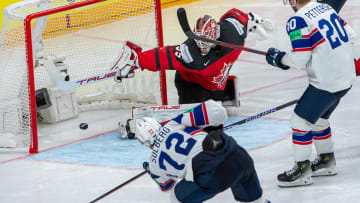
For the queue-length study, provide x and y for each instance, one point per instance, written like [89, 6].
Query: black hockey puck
[84, 126]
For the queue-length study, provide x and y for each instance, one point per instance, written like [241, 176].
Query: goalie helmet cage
[90, 34]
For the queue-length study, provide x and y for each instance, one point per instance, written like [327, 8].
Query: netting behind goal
[86, 37]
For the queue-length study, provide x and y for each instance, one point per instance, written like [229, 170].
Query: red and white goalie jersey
[210, 71]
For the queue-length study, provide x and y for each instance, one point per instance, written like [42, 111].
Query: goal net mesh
[89, 37]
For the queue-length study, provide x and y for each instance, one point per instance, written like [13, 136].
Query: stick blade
[181, 13]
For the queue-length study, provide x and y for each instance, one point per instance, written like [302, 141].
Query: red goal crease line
[44, 150]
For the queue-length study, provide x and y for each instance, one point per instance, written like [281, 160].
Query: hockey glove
[126, 72]
[259, 26]
[274, 58]
[146, 166]
[127, 61]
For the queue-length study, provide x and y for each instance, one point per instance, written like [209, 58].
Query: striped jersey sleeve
[209, 113]
[301, 36]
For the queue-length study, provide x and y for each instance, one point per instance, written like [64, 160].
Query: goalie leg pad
[230, 96]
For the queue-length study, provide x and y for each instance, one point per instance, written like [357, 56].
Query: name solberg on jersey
[159, 139]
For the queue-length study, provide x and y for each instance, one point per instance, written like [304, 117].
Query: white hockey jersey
[321, 43]
[180, 140]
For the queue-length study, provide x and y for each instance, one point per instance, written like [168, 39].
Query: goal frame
[33, 148]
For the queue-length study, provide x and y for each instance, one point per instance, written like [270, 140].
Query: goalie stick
[181, 13]
[66, 85]
[248, 119]
[60, 83]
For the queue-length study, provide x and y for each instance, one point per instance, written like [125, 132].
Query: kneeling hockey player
[193, 158]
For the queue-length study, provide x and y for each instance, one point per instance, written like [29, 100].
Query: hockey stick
[66, 85]
[60, 83]
[181, 13]
[55, 75]
[250, 118]
[119, 186]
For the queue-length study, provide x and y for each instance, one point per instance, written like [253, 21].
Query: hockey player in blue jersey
[320, 41]
[193, 159]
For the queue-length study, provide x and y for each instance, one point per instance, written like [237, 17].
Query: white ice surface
[262, 87]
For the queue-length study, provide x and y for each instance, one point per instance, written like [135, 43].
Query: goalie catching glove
[127, 61]
[262, 28]
[259, 26]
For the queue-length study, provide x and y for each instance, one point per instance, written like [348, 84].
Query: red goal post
[59, 26]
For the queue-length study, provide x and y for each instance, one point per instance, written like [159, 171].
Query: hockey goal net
[84, 37]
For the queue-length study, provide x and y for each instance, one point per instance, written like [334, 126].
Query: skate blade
[296, 183]
[324, 172]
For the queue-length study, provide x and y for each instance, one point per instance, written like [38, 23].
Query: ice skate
[324, 165]
[299, 175]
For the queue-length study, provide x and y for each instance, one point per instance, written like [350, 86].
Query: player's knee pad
[320, 124]
[299, 123]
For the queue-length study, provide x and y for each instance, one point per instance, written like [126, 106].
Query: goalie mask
[206, 27]
[146, 130]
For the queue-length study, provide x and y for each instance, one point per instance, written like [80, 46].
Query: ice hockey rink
[98, 160]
